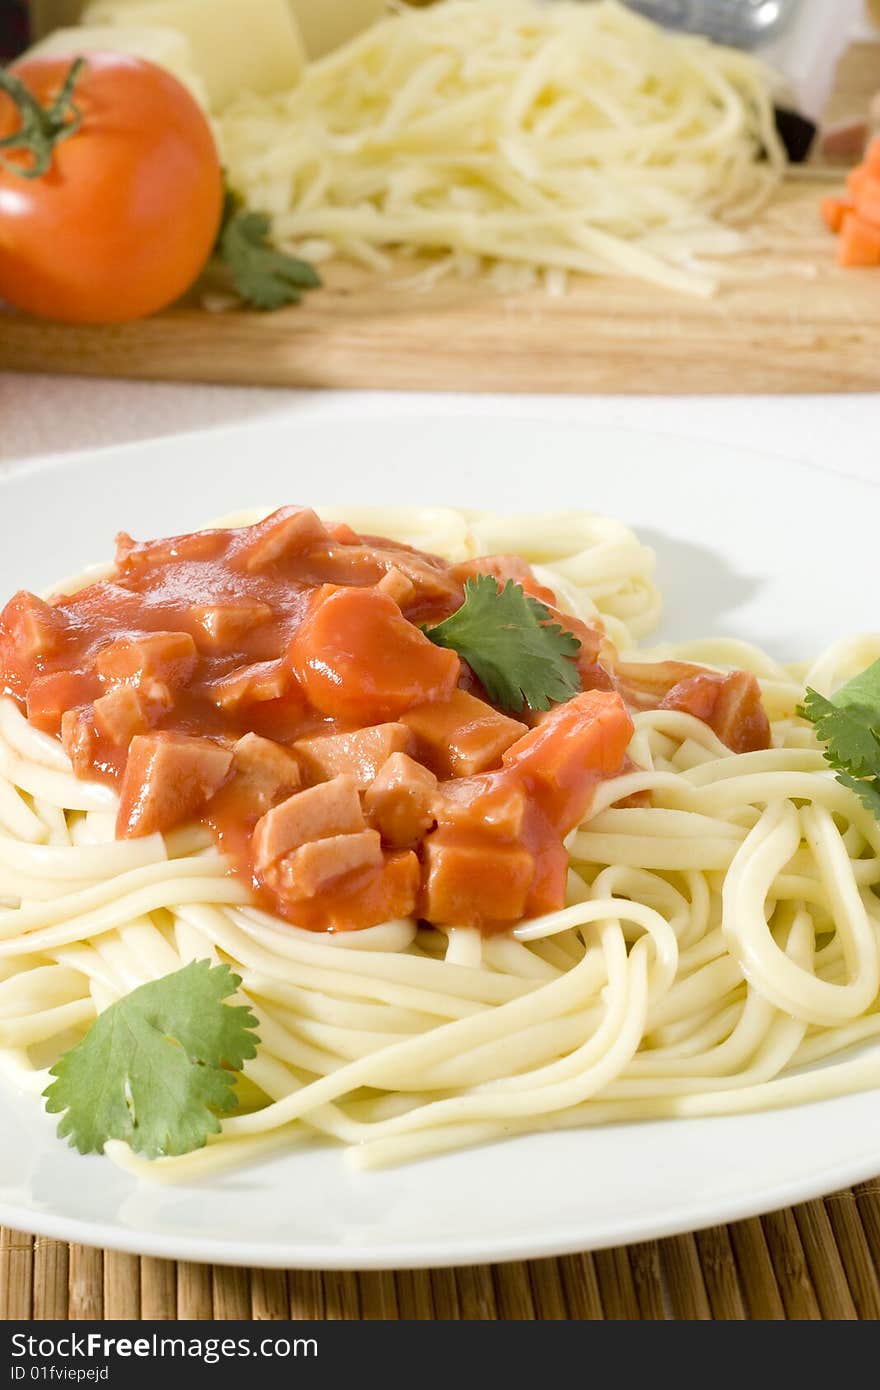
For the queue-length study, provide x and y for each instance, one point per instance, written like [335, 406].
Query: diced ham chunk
[342, 533]
[168, 778]
[50, 696]
[383, 893]
[646, 683]
[79, 739]
[134, 555]
[288, 532]
[400, 801]
[361, 753]
[397, 586]
[265, 773]
[432, 580]
[730, 704]
[475, 883]
[170, 657]
[462, 735]
[34, 627]
[249, 685]
[488, 805]
[315, 867]
[728, 701]
[129, 710]
[358, 658]
[331, 808]
[223, 625]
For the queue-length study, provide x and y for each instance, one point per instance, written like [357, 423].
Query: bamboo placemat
[816, 1261]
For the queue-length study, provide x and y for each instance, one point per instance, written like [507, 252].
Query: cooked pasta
[533, 140]
[719, 942]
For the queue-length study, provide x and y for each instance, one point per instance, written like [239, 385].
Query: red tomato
[125, 216]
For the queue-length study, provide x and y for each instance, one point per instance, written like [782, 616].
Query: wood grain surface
[818, 1261]
[791, 321]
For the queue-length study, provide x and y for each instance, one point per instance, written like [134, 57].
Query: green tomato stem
[42, 128]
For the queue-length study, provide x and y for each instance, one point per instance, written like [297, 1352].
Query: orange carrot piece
[859, 243]
[833, 212]
[868, 201]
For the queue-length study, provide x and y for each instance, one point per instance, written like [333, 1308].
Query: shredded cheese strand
[522, 137]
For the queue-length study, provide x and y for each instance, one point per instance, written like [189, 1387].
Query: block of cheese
[166, 47]
[237, 45]
[325, 24]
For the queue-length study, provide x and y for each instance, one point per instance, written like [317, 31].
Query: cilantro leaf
[512, 644]
[867, 790]
[852, 745]
[158, 1067]
[264, 277]
[849, 726]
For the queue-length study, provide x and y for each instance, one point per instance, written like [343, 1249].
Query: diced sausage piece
[397, 586]
[572, 747]
[49, 697]
[475, 882]
[224, 625]
[129, 710]
[358, 659]
[168, 778]
[265, 773]
[249, 685]
[34, 627]
[495, 805]
[729, 703]
[169, 657]
[314, 867]
[331, 808]
[79, 739]
[289, 531]
[462, 735]
[400, 801]
[361, 753]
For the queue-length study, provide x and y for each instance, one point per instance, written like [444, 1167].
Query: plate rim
[210, 1250]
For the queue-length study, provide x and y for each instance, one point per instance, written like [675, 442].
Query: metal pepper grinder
[742, 23]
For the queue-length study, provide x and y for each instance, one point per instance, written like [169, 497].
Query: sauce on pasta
[274, 682]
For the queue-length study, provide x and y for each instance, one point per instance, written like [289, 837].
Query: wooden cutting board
[791, 321]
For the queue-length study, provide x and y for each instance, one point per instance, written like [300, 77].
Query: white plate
[750, 547]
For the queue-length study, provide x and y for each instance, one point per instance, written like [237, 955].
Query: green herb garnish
[265, 277]
[158, 1067]
[849, 726]
[513, 644]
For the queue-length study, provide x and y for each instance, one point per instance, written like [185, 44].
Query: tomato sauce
[273, 681]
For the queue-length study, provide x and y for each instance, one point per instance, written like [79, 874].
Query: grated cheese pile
[524, 139]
